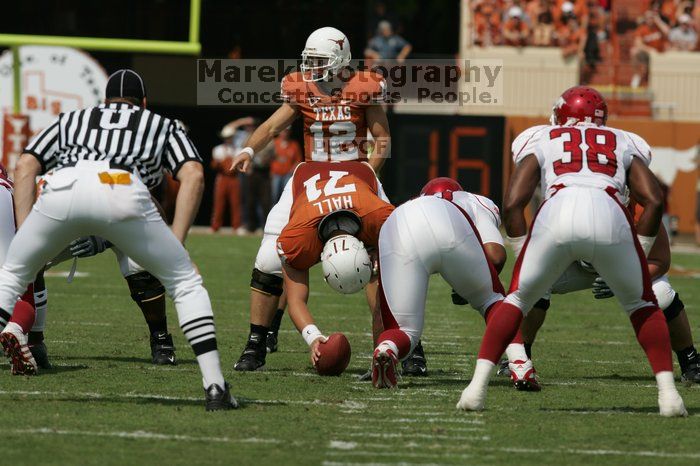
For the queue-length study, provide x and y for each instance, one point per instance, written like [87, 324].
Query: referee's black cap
[125, 83]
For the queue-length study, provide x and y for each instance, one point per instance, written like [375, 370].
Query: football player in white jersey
[585, 168]
[447, 231]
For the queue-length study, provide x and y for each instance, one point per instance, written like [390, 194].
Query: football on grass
[335, 355]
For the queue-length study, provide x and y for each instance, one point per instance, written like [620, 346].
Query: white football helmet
[326, 52]
[347, 267]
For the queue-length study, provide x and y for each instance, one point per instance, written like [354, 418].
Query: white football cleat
[473, 398]
[671, 404]
[524, 376]
[14, 344]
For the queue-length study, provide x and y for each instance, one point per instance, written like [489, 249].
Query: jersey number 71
[600, 155]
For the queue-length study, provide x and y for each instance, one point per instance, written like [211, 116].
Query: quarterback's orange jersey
[335, 126]
[320, 188]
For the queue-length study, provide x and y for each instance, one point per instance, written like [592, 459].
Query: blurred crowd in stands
[581, 28]
[243, 200]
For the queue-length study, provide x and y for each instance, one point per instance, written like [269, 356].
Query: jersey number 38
[600, 155]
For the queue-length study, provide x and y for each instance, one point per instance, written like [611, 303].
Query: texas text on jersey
[321, 188]
[335, 126]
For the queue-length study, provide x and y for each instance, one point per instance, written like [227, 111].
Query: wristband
[646, 242]
[517, 244]
[248, 150]
[310, 333]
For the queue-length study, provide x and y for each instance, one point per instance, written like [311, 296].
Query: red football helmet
[580, 104]
[443, 186]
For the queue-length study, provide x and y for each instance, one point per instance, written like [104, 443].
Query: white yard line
[138, 435]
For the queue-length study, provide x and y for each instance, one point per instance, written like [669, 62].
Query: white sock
[482, 372]
[516, 352]
[665, 382]
[41, 305]
[210, 366]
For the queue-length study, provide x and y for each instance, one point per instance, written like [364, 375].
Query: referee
[98, 165]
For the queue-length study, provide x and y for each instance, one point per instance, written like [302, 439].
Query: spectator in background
[683, 36]
[379, 14]
[515, 30]
[387, 46]
[649, 36]
[258, 195]
[487, 23]
[227, 189]
[570, 34]
[543, 33]
[287, 156]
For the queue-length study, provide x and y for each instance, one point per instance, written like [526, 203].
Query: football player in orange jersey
[342, 112]
[336, 211]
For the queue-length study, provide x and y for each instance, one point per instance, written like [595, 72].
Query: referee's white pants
[74, 203]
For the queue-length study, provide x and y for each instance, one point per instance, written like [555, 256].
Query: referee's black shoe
[163, 349]
[253, 356]
[219, 399]
[415, 364]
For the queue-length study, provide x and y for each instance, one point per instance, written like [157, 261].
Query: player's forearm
[28, 168]
[296, 285]
[261, 137]
[187, 202]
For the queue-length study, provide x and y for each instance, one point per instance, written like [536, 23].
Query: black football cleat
[41, 355]
[503, 369]
[163, 349]
[271, 342]
[253, 356]
[457, 300]
[691, 371]
[219, 399]
[415, 364]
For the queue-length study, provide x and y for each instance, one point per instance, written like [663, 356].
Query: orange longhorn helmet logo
[340, 42]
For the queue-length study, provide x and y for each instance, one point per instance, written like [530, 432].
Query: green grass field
[105, 404]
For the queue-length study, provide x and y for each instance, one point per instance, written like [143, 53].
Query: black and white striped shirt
[124, 134]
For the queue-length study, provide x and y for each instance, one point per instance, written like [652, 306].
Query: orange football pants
[227, 192]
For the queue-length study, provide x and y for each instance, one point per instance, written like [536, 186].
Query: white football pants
[582, 224]
[74, 203]
[424, 236]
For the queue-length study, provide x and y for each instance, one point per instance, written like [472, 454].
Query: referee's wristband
[310, 334]
[248, 150]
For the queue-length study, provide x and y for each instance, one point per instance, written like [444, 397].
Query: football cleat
[384, 373]
[14, 344]
[524, 376]
[503, 369]
[219, 399]
[163, 349]
[271, 342]
[691, 373]
[252, 358]
[415, 364]
[41, 355]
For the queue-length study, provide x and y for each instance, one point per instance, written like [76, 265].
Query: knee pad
[266, 283]
[543, 304]
[144, 287]
[664, 292]
[673, 309]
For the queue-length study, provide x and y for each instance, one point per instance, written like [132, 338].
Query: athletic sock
[277, 321]
[41, 299]
[503, 324]
[23, 315]
[154, 313]
[686, 356]
[652, 333]
[399, 339]
[210, 366]
[528, 350]
[258, 334]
